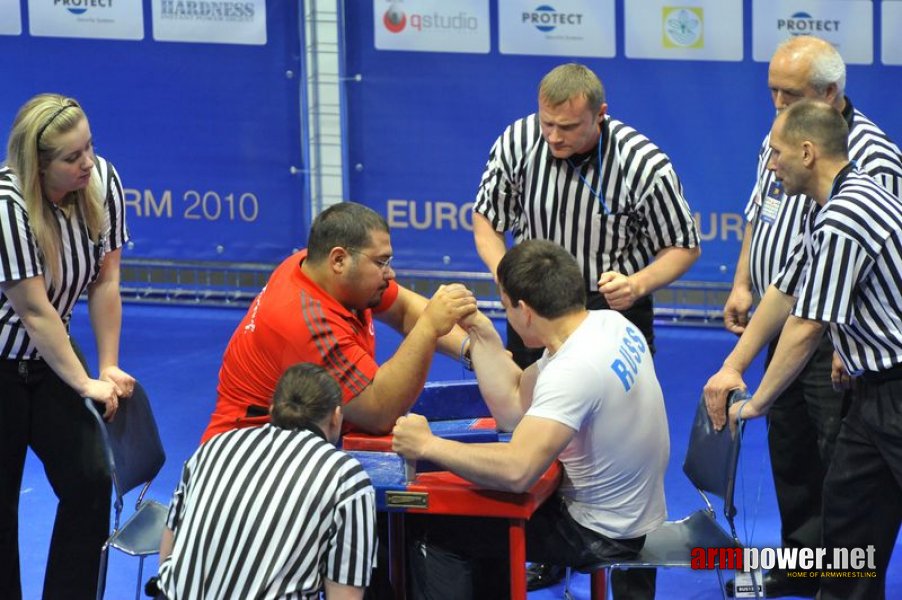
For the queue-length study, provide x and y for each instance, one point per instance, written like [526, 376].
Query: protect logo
[803, 23]
[546, 18]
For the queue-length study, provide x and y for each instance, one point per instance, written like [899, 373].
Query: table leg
[517, 536]
[397, 553]
[599, 584]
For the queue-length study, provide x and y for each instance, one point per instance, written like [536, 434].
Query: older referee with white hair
[845, 274]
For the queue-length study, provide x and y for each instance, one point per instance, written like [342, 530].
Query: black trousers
[38, 410]
[462, 558]
[863, 487]
[802, 427]
[641, 314]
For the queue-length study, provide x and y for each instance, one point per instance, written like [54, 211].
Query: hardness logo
[683, 27]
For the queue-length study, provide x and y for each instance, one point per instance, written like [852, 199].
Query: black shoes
[541, 575]
[778, 585]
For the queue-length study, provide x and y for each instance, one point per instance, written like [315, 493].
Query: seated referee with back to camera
[274, 511]
[592, 401]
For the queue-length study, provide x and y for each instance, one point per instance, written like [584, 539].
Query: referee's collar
[311, 427]
[847, 111]
[581, 158]
[841, 177]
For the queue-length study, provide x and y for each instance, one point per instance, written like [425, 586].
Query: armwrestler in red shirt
[318, 306]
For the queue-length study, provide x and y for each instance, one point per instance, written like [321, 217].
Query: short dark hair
[347, 224]
[819, 122]
[545, 276]
[305, 394]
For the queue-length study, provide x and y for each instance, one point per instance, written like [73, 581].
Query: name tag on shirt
[772, 200]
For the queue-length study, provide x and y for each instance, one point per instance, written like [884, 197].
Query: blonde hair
[572, 80]
[32, 147]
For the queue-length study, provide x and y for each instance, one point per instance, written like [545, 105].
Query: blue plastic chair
[134, 454]
[710, 464]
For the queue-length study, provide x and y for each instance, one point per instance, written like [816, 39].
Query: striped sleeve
[791, 277]
[115, 210]
[18, 248]
[670, 222]
[499, 196]
[753, 207]
[875, 154]
[178, 497]
[828, 293]
[351, 552]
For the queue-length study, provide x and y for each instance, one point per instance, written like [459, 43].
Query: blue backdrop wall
[203, 135]
[420, 126]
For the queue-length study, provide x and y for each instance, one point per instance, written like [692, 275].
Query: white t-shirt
[601, 382]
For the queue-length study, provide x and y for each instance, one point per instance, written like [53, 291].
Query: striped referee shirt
[847, 268]
[776, 219]
[268, 513]
[614, 216]
[80, 258]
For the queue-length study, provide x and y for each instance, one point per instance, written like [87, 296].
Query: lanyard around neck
[599, 193]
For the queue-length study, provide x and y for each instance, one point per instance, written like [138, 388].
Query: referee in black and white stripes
[846, 272]
[804, 421]
[573, 175]
[275, 511]
[62, 228]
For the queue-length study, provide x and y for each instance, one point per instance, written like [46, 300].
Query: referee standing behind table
[572, 175]
[804, 421]
[846, 271]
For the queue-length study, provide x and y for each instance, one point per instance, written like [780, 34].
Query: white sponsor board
[210, 21]
[687, 30]
[100, 19]
[557, 27]
[890, 38]
[432, 25]
[11, 21]
[847, 24]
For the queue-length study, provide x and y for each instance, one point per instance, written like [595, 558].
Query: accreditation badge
[772, 200]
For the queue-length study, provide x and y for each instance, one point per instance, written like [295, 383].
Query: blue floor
[176, 353]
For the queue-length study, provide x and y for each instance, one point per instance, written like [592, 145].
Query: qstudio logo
[683, 27]
[80, 7]
[802, 23]
[394, 18]
[545, 18]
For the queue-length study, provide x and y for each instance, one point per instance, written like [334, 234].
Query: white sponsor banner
[685, 30]
[432, 25]
[847, 24]
[557, 27]
[100, 19]
[11, 22]
[891, 25]
[210, 21]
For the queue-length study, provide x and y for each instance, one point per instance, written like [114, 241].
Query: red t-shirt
[292, 320]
